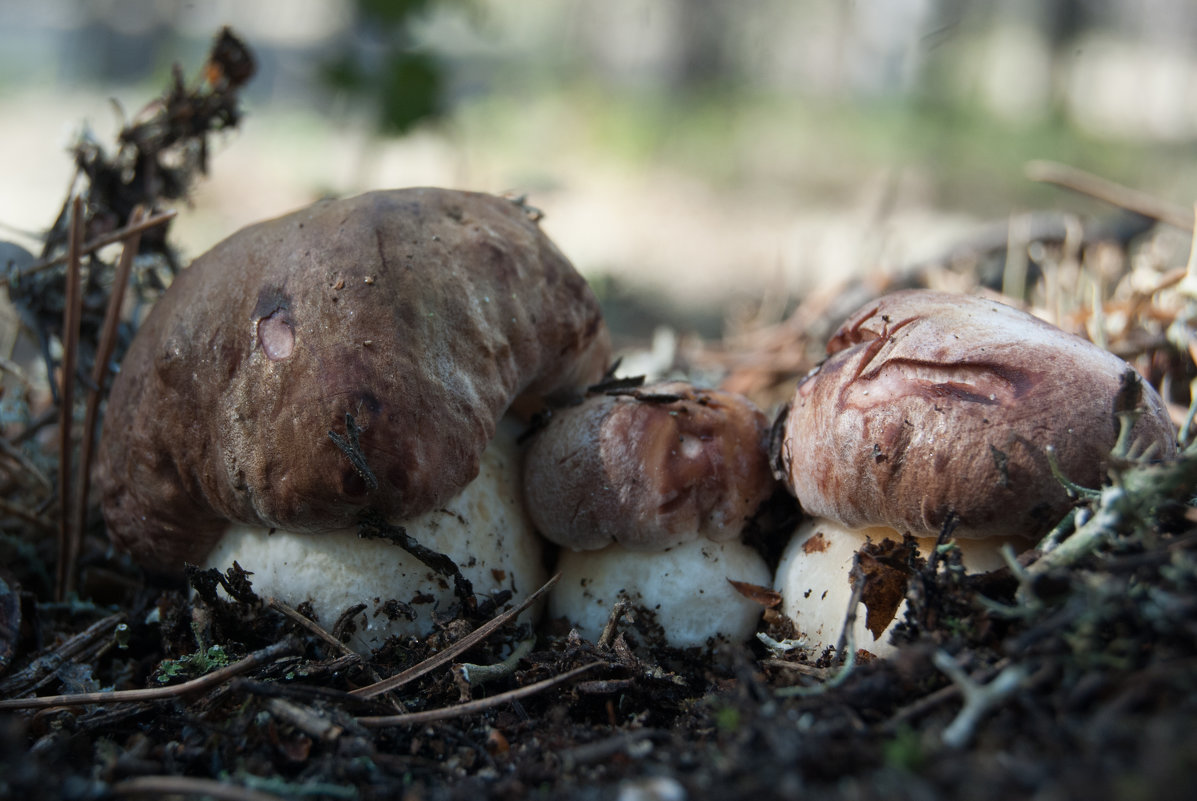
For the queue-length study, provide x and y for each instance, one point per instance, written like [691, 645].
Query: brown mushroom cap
[649, 469]
[424, 313]
[932, 403]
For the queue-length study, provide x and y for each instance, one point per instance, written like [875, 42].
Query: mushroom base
[484, 530]
[686, 588]
[813, 579]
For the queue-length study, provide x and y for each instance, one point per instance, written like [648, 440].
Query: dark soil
[1103, 660]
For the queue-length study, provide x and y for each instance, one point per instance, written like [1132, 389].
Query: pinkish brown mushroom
[932, 405]
[936, 410]
[648, 491]
[356, 354]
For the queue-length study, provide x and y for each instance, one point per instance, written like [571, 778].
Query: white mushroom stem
[813, 578]
[686, 588]
[484, 530]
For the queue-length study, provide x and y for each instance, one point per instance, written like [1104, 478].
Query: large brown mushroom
[356, 354]
[936, 410]
[648, 491]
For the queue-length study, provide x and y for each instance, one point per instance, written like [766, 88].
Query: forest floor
[1044, 679]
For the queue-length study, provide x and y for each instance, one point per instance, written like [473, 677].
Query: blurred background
[692, 157]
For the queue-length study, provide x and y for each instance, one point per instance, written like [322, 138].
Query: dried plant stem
[160, 786]
[310, 625]
[1115, 194]
[285, 647]
[67, 538]
[99, 375]
[1014, 274]
[847, 639]
[472, 707]
[43, 668]
[305, 719]
[475, 675]
[100, 242]
[449, 654]
[1188, 283]
[611, 627]
[845, 645]
[318, 630]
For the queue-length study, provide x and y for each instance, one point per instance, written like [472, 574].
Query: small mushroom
[932, 410]
[649, 492]
[354, 355]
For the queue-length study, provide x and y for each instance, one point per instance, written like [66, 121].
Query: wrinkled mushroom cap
[424, 313]
[649, 469]
[931, 404]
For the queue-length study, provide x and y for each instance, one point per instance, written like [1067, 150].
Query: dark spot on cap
[270, 300]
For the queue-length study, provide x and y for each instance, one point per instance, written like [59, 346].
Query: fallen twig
[305, 719]
[72, 310]
[372, 525]
[310, 625]
[188, 785]
[40, 670]
[474, 675]
[286, 647]
[97, 243]
[1124, 197]
[632, 743]
[472, 707]
[99, 375]
[461, 646]
[845, 646]
[611, 627]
